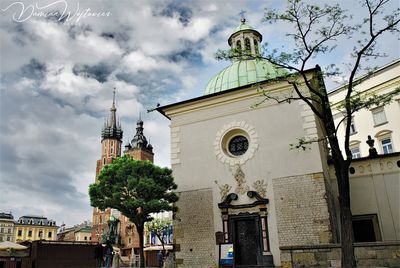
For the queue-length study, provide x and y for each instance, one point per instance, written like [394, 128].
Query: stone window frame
[226, 133]
[355, 145]
[382, 136]
[375, 112]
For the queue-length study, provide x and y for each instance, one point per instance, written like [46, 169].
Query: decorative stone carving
[239, 176]
[261, 187]
[223, 189]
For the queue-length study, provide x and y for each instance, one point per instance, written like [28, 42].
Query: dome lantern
[245, 38]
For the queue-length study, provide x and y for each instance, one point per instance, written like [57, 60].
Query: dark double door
[245, 234]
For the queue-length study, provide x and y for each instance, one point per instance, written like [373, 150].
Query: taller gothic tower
[111, 140]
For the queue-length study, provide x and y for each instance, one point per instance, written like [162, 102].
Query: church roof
[241, 73]
[247, 69]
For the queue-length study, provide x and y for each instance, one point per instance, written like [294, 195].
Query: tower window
[256, 46]
[247, 43]
[238, 44]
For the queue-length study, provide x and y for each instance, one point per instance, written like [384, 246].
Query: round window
[238, 145]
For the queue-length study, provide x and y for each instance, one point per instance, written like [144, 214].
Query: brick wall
[373, 254]
[194, 230]
[301, 210]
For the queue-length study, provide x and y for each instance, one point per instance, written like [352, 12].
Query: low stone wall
[373, 254]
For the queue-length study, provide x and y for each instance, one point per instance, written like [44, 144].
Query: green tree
[136, 189]
[315, 32]
[157, 226]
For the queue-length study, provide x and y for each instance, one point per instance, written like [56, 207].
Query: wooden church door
[245, 235]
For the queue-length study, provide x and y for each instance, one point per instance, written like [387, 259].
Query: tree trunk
[342, 175]
[346, 223]
[140, 230]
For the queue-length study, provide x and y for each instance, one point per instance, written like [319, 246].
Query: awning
[10, 245]
[158, 248]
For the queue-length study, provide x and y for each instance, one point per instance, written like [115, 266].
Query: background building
[31, 228]
[79, 232]
[6, 227]
[382, 122]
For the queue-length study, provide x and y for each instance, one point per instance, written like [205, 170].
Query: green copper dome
[243, 26]
[241, 73]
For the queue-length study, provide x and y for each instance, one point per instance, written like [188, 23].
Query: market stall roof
[10, 245]
[153, 248]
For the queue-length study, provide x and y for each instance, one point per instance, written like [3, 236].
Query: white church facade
[238, 180]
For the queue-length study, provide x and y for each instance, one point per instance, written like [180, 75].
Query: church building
[239, 182]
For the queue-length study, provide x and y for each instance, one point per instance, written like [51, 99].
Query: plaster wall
[375, 189]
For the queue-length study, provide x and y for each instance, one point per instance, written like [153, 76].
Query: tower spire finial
[242, 13]
[114, 97]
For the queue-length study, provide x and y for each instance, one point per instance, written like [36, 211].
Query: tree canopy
[136, 189]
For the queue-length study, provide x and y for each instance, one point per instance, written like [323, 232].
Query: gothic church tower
[111, 140]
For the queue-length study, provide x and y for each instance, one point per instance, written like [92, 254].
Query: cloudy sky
[57, 77]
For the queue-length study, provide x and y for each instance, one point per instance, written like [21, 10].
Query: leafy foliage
[157, 226]
[135, 188]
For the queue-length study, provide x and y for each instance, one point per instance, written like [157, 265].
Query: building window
[355, 152]
[352, 127]
[387, 146]
[2, 230]
[238, 145]
[19, 232]
[366, 228]
[85, 238]
[8, 238]
[50, 234]
[379, 116]
[30, 233]
[9, 230]
[40, 234]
